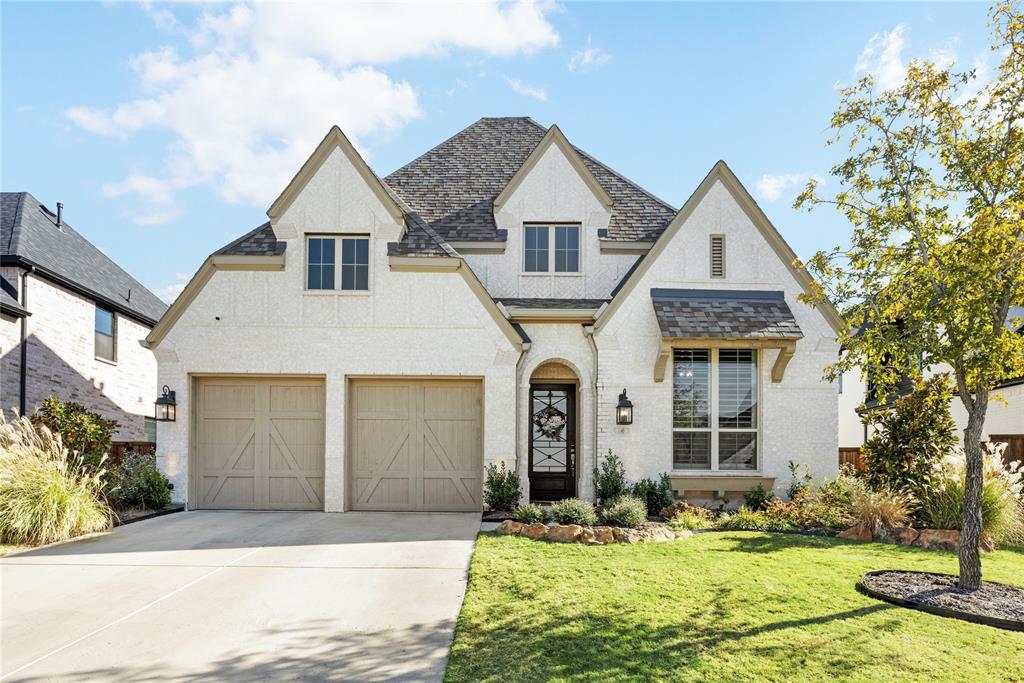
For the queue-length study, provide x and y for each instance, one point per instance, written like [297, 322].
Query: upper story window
[714, 409]
[322, 267]
[105, 344]
[540, 241]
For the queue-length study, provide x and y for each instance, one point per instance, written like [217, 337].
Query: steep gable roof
[720, 172]
[29, 235]
[453, 186]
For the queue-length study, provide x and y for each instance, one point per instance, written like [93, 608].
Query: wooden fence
[1014, 451]
[119, 448]
[851, 456]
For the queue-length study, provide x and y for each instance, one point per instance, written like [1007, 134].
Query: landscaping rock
[682, 533]
[603, 534]
[628, 535]
[938, 539]
[535, 530]
[658, 532]
[564, 533]
[857, 532]
[509, 526]
[587, 537]
[900, 535]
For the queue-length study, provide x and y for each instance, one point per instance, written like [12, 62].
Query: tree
[934, 189]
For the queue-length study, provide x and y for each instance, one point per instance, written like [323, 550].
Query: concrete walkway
[240, 596]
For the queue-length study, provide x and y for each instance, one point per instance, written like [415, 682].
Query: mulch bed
[994, 604]
[122, 517]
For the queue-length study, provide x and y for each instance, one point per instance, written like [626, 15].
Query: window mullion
[713, 400]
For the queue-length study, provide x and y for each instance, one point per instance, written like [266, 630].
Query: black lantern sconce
[166, 406]
[624, 411]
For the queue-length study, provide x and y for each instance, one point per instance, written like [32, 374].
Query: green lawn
[737, 606]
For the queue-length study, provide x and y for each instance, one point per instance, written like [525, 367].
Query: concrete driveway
[241, 596]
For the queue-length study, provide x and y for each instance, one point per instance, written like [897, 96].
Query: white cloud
[882, 58]
[171, 292]
[527, 90]
[590, 56]
[459, 85]
[264, 82]
[772, 188]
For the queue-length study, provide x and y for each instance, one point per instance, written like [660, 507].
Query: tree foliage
[933, 186]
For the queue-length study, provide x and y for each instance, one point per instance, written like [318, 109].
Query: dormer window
[322, 263]
[540, 241]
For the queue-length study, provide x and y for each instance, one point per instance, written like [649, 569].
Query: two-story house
[72, 322]
[503, 297]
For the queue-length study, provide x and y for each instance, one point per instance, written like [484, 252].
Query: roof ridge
[12, 244]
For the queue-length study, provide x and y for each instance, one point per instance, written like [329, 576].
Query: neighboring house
[377, 342]
[1003, 422]
[72, 322]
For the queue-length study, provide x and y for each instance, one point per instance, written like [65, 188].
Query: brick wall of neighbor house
[552, 192]
[62, 361]
[10, 359]
[425, 324]
[798, 416]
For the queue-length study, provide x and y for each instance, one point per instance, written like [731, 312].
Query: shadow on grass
[602, 646]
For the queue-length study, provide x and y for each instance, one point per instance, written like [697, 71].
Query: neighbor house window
[322, 271]
[105, 345]
[714, 409]
[540, 241]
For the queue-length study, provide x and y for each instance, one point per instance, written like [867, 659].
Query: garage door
[259, 444]
[415, 445]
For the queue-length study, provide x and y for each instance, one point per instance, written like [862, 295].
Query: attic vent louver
[718, 256]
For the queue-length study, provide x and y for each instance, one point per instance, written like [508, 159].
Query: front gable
[754, 251]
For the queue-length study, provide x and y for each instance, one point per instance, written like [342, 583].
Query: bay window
[714, 409]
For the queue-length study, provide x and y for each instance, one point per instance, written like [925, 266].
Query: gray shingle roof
[453, 185]
[29, 233]
[259, 242]
[729, 314]
[11, 306]
[551, 303]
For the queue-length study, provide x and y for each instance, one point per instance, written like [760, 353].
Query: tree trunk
[970, 533]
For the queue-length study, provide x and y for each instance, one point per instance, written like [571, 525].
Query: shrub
[529, 514]
[912, 437]
[82, 431]
[1002, 508]
[826, 506]
[609, 478]
[501, 488]
[758, 498]
[746, 519]
[799, 480]
[574, 511]
[627, 511]
[657, 494]
[45, 493]
[882, 508]
[136, 482]
[686, 516]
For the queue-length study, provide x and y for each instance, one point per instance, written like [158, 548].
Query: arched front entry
[552, 453]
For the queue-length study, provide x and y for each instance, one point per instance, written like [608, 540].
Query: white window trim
[551, 250]
[337, 237]
[713, 419]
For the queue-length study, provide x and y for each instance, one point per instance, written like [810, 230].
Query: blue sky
[168, 129]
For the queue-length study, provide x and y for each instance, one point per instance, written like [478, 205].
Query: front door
[552, 441]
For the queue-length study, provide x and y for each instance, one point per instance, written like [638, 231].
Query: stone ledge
[592, 535]
[930, 539]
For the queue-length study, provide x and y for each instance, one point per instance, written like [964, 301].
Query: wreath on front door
[550, 421]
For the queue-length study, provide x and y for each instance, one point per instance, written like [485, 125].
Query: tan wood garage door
[415, 445]
[259, 444]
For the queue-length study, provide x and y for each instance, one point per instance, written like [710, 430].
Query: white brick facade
[432, 324]
[61, 359]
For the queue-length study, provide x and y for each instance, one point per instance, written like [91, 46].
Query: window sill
[550, 274]
[105, 361]
[697, 474]
[336, 292]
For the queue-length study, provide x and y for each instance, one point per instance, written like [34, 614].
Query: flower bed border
[591, 535]
[1008, 624]
[149, 515]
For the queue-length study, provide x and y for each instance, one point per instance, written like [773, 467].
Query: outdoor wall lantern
[166, 406]
[624, 411]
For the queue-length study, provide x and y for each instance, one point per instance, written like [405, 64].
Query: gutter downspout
[588, 332]
[23, 363]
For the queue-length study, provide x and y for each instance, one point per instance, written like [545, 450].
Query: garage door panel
[259, 443]
[415, 445]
